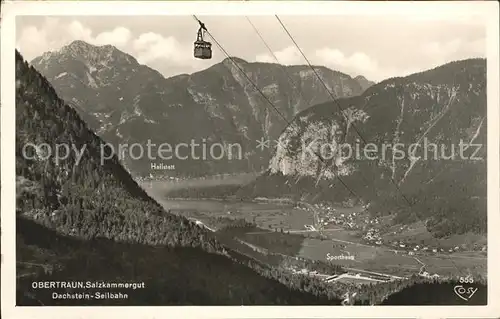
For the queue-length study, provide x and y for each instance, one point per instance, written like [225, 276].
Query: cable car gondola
[202, 48]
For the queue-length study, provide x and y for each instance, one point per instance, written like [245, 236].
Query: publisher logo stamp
[465, 291]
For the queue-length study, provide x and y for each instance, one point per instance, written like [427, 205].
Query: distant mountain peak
[83, 49]
[234, 59]
[93, 56]
[80, 45]
[365, 83]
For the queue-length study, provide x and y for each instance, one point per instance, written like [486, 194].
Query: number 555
[466, 280]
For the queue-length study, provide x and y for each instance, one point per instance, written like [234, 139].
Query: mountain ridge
[403, 110]
[125, 102]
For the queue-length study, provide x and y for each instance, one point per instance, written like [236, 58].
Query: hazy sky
[374, 47]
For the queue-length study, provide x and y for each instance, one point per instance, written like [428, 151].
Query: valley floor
[365, 262]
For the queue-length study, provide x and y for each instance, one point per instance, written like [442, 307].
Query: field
[278, 216]
[378, 259]
[418, 234]
[385, 260]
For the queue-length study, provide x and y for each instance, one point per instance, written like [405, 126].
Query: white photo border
[487, 11]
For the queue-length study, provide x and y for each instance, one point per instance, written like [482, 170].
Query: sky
[375, 47]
